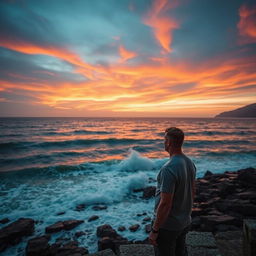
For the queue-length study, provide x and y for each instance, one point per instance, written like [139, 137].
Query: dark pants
[171, 243]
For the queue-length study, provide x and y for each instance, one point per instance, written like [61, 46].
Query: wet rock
[14, 232]
[63, 225]
[138, 190]
[60, 213]
[149, 192]
[208, 174]
[148, 228]
[99, 207]
[38, 246]
[68, 249]
[70, 224]
[196, 211]
[93, 217]
[106, 230]
[56, 227]
[109, 238]
[121, 228]
[248, 176]
[134, 227]
[209, 223]
[80, 207]
[79, 233]
[4, 221]
[147, 219]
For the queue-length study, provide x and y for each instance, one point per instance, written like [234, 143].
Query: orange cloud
[162, 24]
[169, 89]
[125, 54]
[61, 53]
[247, 24]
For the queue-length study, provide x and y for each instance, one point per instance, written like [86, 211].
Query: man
[173, 199]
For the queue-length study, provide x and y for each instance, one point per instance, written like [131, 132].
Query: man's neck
[175, 152]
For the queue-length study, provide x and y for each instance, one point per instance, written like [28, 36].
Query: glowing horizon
[126, 58]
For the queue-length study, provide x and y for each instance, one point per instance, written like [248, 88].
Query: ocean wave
[70, 143]
[230, 153]
[212, 133]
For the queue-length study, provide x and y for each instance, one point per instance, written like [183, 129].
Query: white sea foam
[135, 161]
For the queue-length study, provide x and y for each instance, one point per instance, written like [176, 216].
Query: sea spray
[136, 162]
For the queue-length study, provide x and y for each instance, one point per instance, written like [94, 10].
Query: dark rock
[68, 249]
[247, 175]
[111, 243]
[138, 190]
[99, 207]
[63, 225]
[147, 219]
[197, 212]
[106, 230]
[38, 246]
[121, 228]
[93, 217]
[134, 227]
[149, 192]
[70, 224]
[14, 232]
[79, 233]
[56, 227]
[207, 174]
[106, 243]
[148, 228]
[80, 207]
[4, 221]
[60, 213]
[209, 223]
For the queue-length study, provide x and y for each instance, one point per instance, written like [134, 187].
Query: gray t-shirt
[177, 177]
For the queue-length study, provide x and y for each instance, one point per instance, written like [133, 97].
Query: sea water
[51, 165]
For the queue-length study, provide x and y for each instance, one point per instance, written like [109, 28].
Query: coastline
[221, 204]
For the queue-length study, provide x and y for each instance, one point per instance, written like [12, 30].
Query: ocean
[51, 165]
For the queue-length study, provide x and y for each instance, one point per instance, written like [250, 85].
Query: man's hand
[152, 238]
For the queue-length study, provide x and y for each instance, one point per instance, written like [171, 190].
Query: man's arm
[163, 209]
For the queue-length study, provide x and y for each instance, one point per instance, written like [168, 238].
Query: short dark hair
[176, 135]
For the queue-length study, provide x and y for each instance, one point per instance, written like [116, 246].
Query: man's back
[177, 176]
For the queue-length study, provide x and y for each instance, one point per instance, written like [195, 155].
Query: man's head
[173, 139]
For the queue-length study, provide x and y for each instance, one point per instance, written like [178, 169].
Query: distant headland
[246, 111]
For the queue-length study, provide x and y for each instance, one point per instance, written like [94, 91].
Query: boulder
[121, 228]
[38, 246]
[80, 207]
[147, 219]
[93, 217]
[208, 174]
[247, 176]
[79, 233]
[63, 225]
[14, 232]
[134, 227]
[4, 221]
[106, 231]
[99, 207]
[69, 249]
[148, 228]
[149, 192]
[210, 222]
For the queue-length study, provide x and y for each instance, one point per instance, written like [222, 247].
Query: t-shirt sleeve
[167, 181]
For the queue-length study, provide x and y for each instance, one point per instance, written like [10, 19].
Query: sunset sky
[95, 58]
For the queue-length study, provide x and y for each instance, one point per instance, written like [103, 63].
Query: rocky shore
[221, 204]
